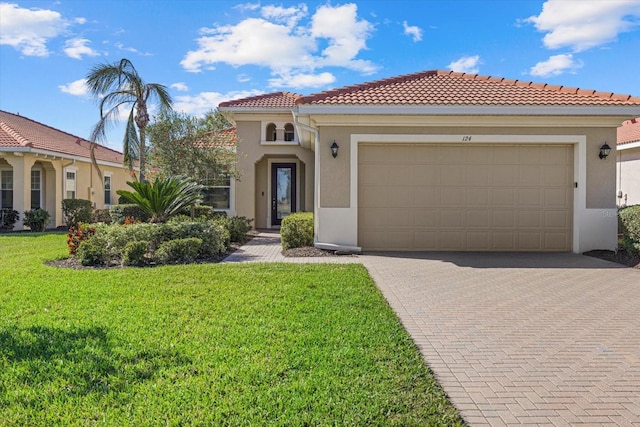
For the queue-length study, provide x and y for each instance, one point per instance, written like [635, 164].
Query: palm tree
[119, 84]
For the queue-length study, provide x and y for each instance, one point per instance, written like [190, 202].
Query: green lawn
[209, 344]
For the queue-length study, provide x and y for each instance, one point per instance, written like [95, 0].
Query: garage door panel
[453, 196]
[478, 197]
[465, 197]
[503, 196]
[504, 175]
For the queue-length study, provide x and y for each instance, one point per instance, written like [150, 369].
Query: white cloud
[131, 49]
[243, 78]
[282, 42]
[289, 16]
[206, 101]
[75, 48]
[29, 30]
[77, 88]
[466, 64]
[556, 65]
[413, 31]
[180, 86]
[80, 21]
[585, 24]
[245, 7]
[299, 81]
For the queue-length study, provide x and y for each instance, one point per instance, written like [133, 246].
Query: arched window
[288, 132]
[271, 132]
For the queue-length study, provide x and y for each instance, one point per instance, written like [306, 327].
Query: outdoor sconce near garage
[334, 149]
[604, 151]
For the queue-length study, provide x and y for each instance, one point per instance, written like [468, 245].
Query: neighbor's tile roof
[18, 131]
[269, 100]
[451, 88]
[221, 138]
[629, 131]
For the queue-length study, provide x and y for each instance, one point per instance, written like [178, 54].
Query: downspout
[316, 174]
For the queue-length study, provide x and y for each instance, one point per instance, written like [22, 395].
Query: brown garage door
[465, 197]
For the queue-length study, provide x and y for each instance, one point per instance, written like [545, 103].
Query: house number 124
[466, 138]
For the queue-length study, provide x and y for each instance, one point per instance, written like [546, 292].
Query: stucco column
[53, 192]
[21, 165]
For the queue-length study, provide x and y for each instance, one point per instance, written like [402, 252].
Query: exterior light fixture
[334, 149]
[604, 151]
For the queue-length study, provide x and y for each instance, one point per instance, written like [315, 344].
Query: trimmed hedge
[238, 227]
[178, 251]
[630, 219]
[101, 215]
[118, 240]
[76, 211]
[119, 213]
[296, 230]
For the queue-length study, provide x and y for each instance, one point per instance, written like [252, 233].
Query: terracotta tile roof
[451, 88]
[629, 131]
[221, 138]
[269, 100]
[18, 131]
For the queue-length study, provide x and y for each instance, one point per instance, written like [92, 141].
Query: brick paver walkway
[538, 339]
[266, 247]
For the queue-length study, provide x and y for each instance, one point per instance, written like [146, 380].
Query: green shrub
[8, 218]
[214, 237]
[92, 252]
[178, 251]
[199, 211]
[296, 230]
[119, 213]
[135, 252]
[238, 227]
[76, 211]
[630, 218]
[36, 219]
[101, 215]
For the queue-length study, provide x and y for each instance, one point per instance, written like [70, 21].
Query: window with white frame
[217, 191]
[6, 189]
[271, 134]
[36, 189]
[70, 184]
[107, 190]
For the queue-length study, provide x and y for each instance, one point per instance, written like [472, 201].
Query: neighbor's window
[36, 186]
[271, 132]
[6, 189]
[70, 185]
[217, 191]
[107, 190]
[288, 132]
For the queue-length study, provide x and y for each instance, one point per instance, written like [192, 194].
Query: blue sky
[211, 51]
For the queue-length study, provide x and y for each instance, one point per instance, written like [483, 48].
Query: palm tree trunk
[142, 152]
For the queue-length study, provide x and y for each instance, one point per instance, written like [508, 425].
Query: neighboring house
[436, 160]
[628, 158]
[40, 166]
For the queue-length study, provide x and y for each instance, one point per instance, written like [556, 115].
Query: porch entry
[283, 191]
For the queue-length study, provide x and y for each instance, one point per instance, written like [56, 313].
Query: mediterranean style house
[628, 159]
[435, 160]
[40, 166]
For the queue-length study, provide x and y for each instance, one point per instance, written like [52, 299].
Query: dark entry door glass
[283, 191]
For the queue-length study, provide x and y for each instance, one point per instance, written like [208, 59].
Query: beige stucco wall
[254, 158]
[335, 173]
[53, 174]
[628, 176]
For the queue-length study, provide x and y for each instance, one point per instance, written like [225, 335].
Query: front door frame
[273, 221]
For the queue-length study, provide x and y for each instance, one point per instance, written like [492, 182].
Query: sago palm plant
[163, 197]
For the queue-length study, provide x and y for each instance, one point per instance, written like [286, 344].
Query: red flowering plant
[77, 235]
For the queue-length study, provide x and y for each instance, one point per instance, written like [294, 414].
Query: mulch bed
[620, 257]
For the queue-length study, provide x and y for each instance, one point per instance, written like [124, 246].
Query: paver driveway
[547, 339]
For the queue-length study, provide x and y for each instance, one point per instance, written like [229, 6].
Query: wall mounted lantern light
[334, 149]
[604, 151]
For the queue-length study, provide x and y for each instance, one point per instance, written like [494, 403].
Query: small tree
[199, 148]
[164, 197]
